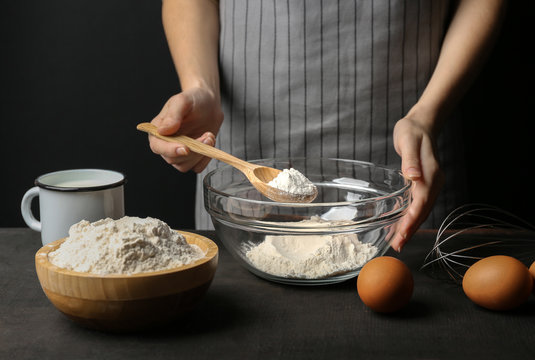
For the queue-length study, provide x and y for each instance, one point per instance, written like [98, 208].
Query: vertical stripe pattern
[321, 78]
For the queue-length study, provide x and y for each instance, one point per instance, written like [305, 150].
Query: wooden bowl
[127, 302]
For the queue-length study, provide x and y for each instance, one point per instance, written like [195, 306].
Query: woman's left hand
[416, 145]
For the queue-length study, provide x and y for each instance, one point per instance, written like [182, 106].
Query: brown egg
[498, 282]
[385, 284]
[532, 272]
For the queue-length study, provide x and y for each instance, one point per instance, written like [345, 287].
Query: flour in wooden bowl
[128, 245]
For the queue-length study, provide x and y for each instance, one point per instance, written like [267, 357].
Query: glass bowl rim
[407, 186]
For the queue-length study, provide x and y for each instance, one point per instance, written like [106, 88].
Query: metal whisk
[465, 236]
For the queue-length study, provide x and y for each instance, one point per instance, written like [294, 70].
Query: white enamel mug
[69, 196]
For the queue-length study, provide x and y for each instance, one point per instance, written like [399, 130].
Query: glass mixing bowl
[357, 201]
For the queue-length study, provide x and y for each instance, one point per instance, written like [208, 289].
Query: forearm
[468, 40]
[192, 31]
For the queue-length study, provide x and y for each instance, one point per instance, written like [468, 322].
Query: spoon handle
[198, 147]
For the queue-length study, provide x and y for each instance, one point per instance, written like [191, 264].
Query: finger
[398, 241]
[182, 158]
[409, 224]
[410, 158]
[186, 162]
[209, 139]
[424, 195]
[178, 107]
[183, 163]
[167, 149]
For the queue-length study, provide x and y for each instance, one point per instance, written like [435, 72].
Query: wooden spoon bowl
[127, 302]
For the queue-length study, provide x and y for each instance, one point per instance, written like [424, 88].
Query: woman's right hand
[195, 112]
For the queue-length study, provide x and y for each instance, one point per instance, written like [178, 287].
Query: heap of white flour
[310, 256]
[126, 246]
[294, 182]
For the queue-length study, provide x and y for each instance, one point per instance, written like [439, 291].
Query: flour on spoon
[294, 182]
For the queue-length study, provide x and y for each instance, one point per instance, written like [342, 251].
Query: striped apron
[319, 78]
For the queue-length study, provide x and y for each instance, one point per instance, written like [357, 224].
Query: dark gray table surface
[245, 317]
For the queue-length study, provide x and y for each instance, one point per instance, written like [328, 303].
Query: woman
[369, 80]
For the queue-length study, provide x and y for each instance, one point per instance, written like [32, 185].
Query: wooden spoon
[258, 175]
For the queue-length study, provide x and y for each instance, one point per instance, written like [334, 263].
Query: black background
[77, 76]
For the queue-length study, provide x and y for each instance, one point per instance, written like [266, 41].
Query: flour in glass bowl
[128, 245]
[310, 256]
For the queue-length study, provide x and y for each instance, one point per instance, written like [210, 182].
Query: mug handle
[26, 209]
